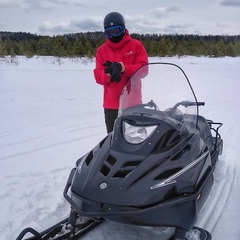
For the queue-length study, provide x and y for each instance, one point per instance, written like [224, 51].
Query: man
[116, 61]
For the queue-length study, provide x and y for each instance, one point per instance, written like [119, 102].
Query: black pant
[110, 116]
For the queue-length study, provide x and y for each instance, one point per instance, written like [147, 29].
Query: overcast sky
[53, 17]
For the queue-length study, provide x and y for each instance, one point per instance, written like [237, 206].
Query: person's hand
[108, 68]
[114, 70]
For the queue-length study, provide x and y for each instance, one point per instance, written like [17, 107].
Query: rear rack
[218, 140]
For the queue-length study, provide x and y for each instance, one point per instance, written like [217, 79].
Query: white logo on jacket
[129, 53]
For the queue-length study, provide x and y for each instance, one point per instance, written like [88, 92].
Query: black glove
[114, 70]
[108, 68]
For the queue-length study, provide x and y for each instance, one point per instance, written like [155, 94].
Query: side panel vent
[121, 174]
[127, 168]
[107, 165]
[89, 158]
[132, 164]
[105, 170]
[111, 160]
[102, 142]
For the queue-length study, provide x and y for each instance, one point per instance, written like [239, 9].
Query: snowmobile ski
[61, 231]
[196, 233]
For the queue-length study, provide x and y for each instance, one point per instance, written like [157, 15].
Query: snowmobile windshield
[160, 90]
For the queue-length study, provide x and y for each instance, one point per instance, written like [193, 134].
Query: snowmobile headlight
[137, 134]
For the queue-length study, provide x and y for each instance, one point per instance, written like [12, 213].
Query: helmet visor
[114, 31]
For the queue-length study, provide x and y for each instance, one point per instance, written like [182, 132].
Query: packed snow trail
[225, 225]
[224, 177]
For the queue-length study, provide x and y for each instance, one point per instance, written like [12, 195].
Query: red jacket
[131, 53]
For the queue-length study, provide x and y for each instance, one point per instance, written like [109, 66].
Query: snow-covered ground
[51, 114]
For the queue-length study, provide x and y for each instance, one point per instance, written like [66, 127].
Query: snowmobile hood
[126, 179]
[154, 152]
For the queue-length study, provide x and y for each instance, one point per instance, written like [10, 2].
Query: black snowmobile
[155, 168]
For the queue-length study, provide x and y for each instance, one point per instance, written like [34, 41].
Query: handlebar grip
[189, 103]
[201, 103]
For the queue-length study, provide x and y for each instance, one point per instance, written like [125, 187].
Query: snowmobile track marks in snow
[215, 205]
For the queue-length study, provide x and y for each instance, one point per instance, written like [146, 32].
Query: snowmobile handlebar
[188, 104]
[185, 104]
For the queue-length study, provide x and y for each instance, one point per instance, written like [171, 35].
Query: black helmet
[113, 19]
